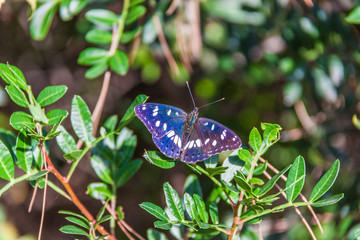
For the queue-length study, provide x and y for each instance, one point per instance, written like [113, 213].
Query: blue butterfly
[185, 136]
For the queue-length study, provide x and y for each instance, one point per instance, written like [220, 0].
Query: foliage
[236, 182]
[110, 156]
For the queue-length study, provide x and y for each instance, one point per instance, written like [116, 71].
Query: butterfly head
[193, 116]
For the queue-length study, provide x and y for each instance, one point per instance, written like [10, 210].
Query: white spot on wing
[165, 126]
[169, 112]
[187, 145]
[234, 139]
[143, 108]
[222, 137]
[207, 140]
[176, 139]
[191, 143]
[213, 127]
[176, 113]
[179, 143]
[206, 123]
[155, 113]
[198, 142]
[214, 143]
[157, 123]
[171, 133]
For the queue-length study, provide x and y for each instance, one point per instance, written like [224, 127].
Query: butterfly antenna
[192, 98]
[219, 100]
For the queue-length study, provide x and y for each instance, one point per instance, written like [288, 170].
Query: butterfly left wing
[159, 119]
[209, 138]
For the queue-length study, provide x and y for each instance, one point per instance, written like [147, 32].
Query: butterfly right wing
[159, 119]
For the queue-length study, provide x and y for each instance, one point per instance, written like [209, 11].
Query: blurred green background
[282, 61]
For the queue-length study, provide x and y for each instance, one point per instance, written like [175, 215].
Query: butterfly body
[185, 136]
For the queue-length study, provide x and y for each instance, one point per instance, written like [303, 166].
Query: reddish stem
[74, 198]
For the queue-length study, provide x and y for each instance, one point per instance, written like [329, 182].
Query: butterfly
[185, 136]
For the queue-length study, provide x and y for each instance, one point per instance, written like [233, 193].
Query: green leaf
[102, 169]
[126, 143]
[96, 70]
[328, 201]
[126, 172]
[99, 190]
[18, 120]
[190, 206]
[51, 94]
[259, 169]
[65, 141]
[159, 160]
[296, 172]
[216, 171]
[354, 16]
[163, 225]
[173, 201]
[135, 13]
[70, 229]
[270, 184]
[38, 113]
[75, 215]
[98, 36]
[81, 119]
[325, 182]
[6, 163]
[256, 181]
[245, 155]
[203, 225]
[17, 96]
[70, 8]
[234, 164]
[214, 213]
[200, 205]
[192, 185]
[13, 76]
[271, 132]
[78, 222]
[101, 17]
[41, 21]
[9, 140]
[153, 234]
[245, 186]
[24, 153]
[56, 116]
[91, 56]
[356, 121]
[119, 62]
[126, 37]
[212, 161]
[255, 140]
[129, 114]
[155, 210]
[74, 155]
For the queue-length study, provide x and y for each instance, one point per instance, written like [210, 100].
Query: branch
[70, 191]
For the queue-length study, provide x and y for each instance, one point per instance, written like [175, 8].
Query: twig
[70, 191]
[309, 3]
[297, 211]
[43, 208]
[165, 47]
[122, 224]
[33, 197]
[173, 6]
[180, 40]
[101, 102]
[260, 236]
[303, 116]
[301, 195]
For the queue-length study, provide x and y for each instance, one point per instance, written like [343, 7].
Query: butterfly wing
[166, 124]
[209, 138]
[159, 119]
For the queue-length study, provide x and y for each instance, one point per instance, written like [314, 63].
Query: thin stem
[12, 182]
[74, 198]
